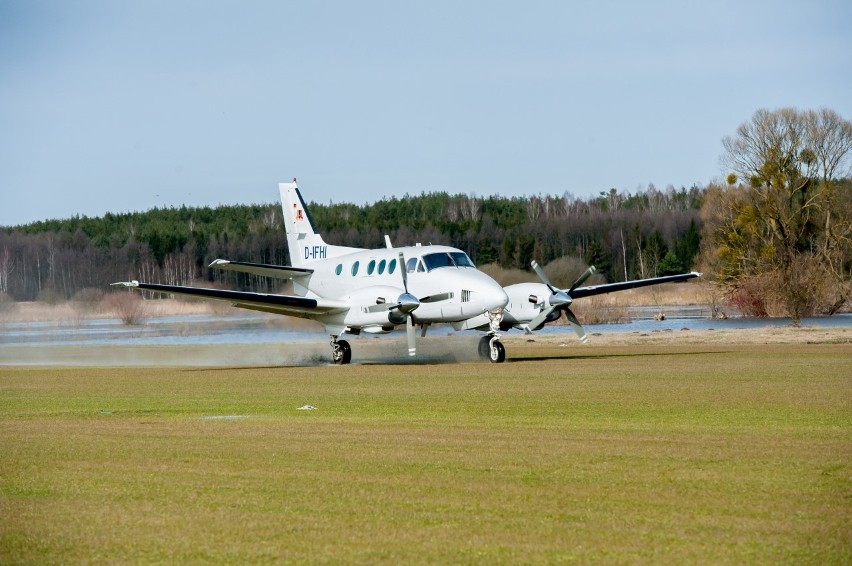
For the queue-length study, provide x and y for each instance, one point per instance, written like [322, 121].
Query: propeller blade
[409, 329]
[582, 279]
[540, 318]
[404, 271]
[382, 307]
[575, 324]
[436, 298]
[540, 272]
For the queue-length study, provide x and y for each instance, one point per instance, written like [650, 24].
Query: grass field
[684, 453]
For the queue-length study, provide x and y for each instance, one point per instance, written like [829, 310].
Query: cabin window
[338, 269]
[355, 268]
[392, 266]
[382, 266]
[411, 264]
[371, 267]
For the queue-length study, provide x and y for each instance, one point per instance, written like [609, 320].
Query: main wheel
[343, 353]
[484, 347]
[498, 352]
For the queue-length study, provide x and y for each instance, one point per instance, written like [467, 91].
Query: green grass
[708, 454]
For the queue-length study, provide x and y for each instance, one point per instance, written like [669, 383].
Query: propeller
[406, 304]
[561, 300]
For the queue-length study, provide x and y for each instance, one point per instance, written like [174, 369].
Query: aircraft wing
[290, 305]
[611, 287]
[266, 270]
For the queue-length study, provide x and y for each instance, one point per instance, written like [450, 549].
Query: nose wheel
[341, 351]
[490, 348]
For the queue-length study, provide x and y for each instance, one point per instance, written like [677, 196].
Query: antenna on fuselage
[388, 242]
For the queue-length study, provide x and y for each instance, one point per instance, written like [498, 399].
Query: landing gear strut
[341, 351]
[490, 346]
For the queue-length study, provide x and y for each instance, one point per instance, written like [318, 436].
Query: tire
[484, 347]
[497, 353]
[345, 355]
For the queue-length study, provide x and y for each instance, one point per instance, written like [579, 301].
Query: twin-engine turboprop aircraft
[354, 290]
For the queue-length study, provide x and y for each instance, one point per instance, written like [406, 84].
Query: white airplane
[354, 290]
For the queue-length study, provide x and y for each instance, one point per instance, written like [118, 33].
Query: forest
[775, 236]
[625, 235]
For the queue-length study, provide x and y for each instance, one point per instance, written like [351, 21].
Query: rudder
[304, 243]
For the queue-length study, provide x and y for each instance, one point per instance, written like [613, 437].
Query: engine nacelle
[377, 294]
[396, 317]
[553, 316]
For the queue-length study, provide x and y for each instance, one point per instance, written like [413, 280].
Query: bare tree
[129, 307]
[787, 219]
[7, 266]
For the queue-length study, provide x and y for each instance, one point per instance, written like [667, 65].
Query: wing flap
[267, 302]
[263, 269]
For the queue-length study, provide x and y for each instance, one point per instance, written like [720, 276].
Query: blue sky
[115, 105]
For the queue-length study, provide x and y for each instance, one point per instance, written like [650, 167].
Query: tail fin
[305, 244]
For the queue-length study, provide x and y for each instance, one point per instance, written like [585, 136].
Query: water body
[262, 329]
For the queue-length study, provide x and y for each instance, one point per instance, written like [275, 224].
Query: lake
[253, 328]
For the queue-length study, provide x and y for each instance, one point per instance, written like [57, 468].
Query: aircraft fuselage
[371, 277]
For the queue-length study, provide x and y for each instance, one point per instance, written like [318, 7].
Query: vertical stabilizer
[304, 243]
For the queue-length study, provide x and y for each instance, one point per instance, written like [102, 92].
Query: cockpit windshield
[444, 259]
[462, 259]
[434, 261]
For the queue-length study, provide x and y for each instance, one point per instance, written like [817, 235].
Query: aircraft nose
[495, 297]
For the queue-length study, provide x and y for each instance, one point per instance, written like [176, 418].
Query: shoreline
[393, 349]
[367, 349]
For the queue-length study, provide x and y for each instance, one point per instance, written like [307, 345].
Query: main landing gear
[489, 346]
[341, 351]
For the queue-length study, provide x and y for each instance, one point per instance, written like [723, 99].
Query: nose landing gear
[341, 351]
[490, 346]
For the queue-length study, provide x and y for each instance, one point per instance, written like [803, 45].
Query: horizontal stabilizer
[262, 269]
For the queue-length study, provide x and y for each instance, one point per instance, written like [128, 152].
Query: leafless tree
[792, 213]
[128, 306]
